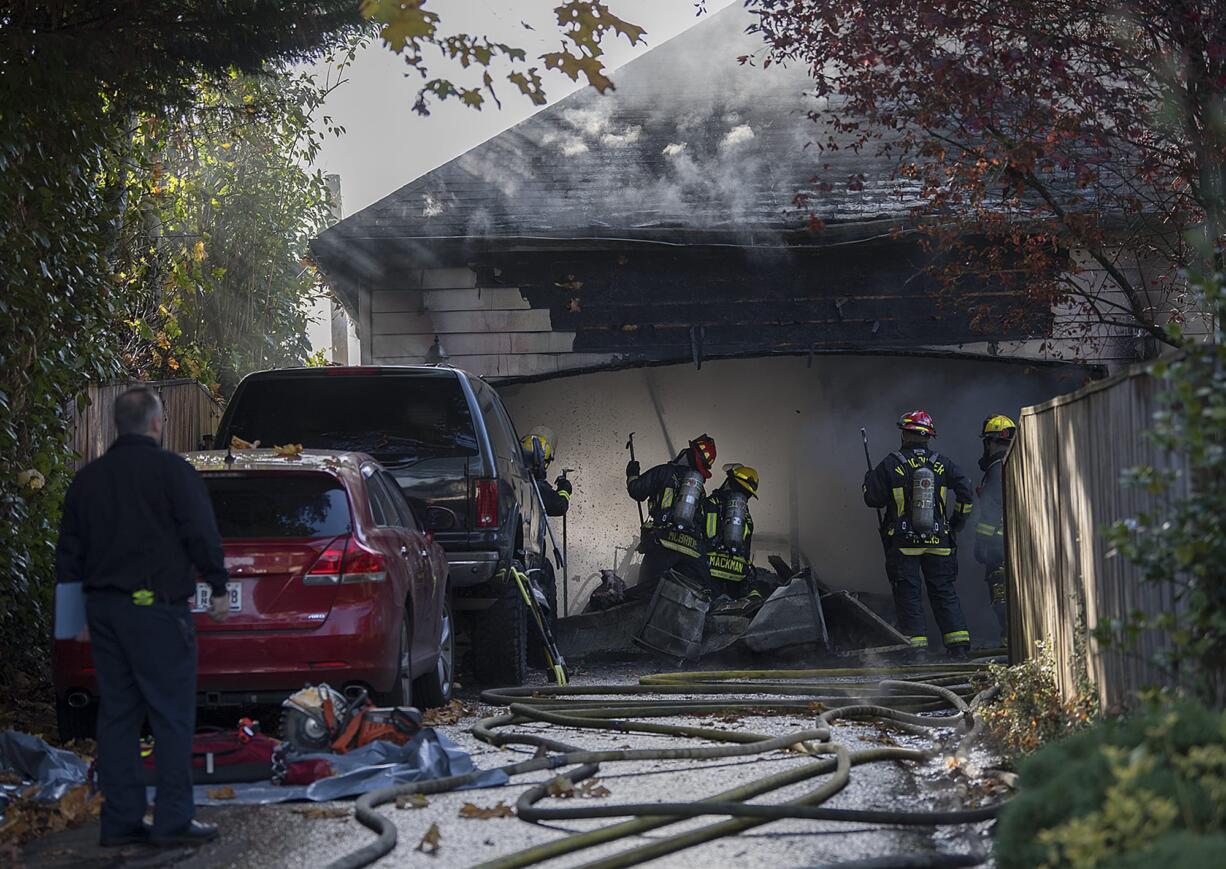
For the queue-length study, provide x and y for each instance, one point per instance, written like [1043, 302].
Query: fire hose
[834, 694]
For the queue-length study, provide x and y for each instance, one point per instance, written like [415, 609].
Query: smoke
[690, 137]
[798, 426]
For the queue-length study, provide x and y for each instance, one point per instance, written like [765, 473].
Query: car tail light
[327, 568]
[346, 561]
[362, 565]
[487, 503]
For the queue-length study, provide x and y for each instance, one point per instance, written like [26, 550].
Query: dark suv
[446, 437]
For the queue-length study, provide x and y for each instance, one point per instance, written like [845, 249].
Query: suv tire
[434, 688]
[500, 639]
[402, 688]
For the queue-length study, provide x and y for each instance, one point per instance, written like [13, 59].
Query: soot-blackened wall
[797, 423]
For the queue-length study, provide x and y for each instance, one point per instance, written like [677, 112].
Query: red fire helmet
[919, 422]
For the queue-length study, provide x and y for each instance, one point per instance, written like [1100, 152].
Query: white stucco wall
[799, 426]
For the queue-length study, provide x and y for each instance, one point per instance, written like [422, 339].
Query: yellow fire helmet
[540, 438]
[744, 476]
[998, 426]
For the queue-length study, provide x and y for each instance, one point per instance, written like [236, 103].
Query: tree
[220, 214]
[103, 269]
[1046, 143]
[409, 29]
[73, 75]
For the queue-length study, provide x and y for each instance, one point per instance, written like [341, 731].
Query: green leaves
[409, 29]
[1179, 541]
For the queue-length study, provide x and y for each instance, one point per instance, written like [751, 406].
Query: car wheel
[402, 689]
[434, 688]
[75, 722]
[500, 639]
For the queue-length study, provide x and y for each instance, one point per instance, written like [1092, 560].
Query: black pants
[908, 575]
[145, 659]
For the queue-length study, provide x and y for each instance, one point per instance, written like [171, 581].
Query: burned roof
[691, 142]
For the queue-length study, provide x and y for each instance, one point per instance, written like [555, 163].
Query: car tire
[500, 639]
[434, 688]
[536, 646]
[75, 722]
[402, 689]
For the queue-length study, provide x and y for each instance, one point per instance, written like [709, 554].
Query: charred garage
[640, 261]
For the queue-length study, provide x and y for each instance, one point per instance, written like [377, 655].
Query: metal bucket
[792, 616]
[675, 618]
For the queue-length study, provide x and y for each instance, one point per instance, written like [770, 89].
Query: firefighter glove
[632, 469]
[957, 522]
[563, 486]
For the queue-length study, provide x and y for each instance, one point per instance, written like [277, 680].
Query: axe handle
[639, 504]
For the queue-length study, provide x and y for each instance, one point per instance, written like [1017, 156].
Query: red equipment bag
[225, 757]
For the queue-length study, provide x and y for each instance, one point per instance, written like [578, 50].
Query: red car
[331, 580]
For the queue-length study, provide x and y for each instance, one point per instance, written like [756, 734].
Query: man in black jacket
[673, 533]
[137, 527]
[913, 484]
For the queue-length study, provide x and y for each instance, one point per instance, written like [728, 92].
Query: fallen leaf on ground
[237, 443]
[564, 788]
[482, 813]
[316, 813]
[430, 842]
[222, 793]
[289, 451]
[24, 819]
[411, 801]
[592, 789]
[449, 714]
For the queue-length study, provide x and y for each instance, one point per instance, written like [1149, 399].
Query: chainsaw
[318, 718]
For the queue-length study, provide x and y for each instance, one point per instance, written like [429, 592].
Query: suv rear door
[414, 422]
[274, 526]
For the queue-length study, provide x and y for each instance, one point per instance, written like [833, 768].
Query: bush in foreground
[1148, 790]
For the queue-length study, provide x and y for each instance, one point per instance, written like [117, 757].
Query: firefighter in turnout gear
[730, 532]
[997, 433]
[539, 445]
[673, 534]
[927, 501]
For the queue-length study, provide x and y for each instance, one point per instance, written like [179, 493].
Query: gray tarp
[54, 770]
[429, 755]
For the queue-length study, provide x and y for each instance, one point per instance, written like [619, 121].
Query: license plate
[204, 597]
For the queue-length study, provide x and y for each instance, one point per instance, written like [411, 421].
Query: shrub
[1028, 712]
[1137, 792]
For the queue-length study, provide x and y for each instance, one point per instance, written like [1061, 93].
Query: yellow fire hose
[831, 695]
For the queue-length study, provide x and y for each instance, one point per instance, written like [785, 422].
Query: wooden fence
[191, 411]
[1062, 490]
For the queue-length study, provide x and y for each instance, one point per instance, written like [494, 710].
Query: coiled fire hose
[836, 694]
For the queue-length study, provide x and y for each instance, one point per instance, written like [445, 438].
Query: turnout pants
[145, 659]
[908, 575]
[994, 576]
[657, 561]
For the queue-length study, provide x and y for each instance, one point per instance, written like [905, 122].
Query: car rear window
[397, 420]
[278, 505]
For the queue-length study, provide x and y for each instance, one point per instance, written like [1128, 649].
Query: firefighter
[538, 444]
[673, 533]
[730, 532]
[997, 434]
[914, 486]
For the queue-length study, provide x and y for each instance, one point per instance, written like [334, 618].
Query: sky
[386, 144]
